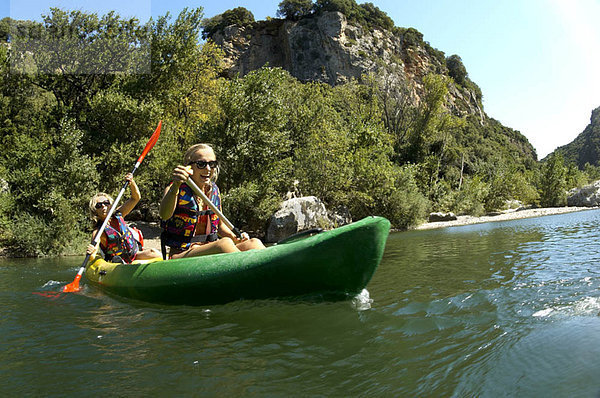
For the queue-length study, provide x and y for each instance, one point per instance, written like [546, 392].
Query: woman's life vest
[119, 242]
[190, 222]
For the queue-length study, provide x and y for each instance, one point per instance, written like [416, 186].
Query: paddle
[214, 208]
[74, 286]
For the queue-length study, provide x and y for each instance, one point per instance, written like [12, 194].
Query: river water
[497, 309]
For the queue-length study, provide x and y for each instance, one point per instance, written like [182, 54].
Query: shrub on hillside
[294, 9]
[237, 16]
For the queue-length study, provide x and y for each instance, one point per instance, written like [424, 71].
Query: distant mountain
[586, 147]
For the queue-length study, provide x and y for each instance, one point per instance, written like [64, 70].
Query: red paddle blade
[151, 143]
[73, 286]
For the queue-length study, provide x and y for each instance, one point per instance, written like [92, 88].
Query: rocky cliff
[586, 147]
[328, 49]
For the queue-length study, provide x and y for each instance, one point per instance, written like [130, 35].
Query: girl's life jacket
[190, 218]
[119, 242]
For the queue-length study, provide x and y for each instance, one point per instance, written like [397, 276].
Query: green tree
[347, 158]
[49, 195]
[252, 142]
[574, 177]
[429, 119]
[74, 55]
[470, 198]
[411, 37]
[430, 141]
[294, 9]
[456, 69]
[5, 27]
[592, 172]
[184, 77]
[398, 112]
[553, 183]
[373, 17]
[346, 7]
[501, 187]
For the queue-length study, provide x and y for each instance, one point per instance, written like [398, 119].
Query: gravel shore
[151, 231]
[504, 216]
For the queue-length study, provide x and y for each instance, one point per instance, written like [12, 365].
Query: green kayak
[338, 262]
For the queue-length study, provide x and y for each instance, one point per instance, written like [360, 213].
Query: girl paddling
[190, 228]
[118, 241]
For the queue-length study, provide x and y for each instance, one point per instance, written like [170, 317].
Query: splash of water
[584, 307]
[362, 301]
[51, 283]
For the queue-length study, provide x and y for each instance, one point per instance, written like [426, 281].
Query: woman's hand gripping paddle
[212, 206]
[74, 286]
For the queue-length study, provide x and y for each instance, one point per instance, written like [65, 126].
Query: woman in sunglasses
[119, 242]
[190, 228]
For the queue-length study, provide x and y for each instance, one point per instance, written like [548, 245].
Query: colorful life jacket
[189, 218]
[119, 242]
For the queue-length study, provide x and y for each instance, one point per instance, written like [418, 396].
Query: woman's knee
[227, 245]
[250, 244]
[148, 254]
[256, 243]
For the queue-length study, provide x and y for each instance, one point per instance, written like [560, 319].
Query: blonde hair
[93, 202]
[187, 157]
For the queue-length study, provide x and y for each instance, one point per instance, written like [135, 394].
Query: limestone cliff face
[328, 49]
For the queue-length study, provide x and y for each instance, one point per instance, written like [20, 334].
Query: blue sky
[536, 61]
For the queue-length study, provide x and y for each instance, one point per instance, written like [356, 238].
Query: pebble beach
[504, 216]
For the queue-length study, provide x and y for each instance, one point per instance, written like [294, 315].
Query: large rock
[135, 215]
[295, 215]
[587, 196]
[339, 216]
[152, 213]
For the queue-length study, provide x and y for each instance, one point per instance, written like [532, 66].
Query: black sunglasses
[100, 204]
[201, 164]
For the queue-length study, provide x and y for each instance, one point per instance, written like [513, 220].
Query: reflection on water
[498, 309]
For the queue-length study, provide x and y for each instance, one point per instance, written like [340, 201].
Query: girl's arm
[91, 249]
[130, 203]
[169, 200]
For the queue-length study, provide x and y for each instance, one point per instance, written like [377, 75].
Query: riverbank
[504, 216]
[152, 231]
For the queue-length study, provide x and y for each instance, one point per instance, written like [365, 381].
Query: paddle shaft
[212, 206]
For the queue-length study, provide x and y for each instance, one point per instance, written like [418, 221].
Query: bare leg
[147, 254]
[250, 244]
[224, 245]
